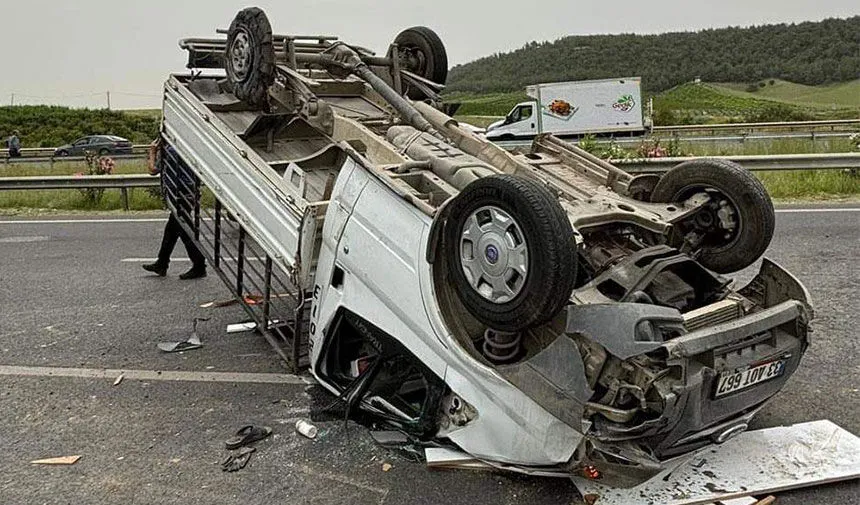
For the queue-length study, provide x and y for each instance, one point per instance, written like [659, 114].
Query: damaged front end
[666, 384]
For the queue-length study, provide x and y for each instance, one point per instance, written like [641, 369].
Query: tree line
[51, 126]
[808, 53]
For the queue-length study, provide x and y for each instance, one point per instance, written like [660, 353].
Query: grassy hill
[692, 103]
[841, 95]
[810, 53]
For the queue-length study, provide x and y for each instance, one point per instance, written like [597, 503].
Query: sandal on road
[248, 435]
[235, 462]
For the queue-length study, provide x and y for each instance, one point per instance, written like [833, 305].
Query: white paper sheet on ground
[442, 457]
[754, 463]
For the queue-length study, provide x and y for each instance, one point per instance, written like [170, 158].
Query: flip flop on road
[237, 461]
[248, 435]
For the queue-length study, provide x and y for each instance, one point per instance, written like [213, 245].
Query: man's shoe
[156, 268]
[193, 273]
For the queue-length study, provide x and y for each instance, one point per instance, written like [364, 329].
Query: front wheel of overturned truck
[734, 228]
[510, 251]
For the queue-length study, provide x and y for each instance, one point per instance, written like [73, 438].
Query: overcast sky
[72, 52]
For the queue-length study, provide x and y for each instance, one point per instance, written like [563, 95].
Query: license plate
[743, 378]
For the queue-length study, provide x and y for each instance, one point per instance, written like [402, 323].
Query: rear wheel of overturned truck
[422, 52]
[250, 56]
[511, 252]
[734, 228]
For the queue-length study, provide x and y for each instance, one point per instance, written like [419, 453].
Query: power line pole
[108, 99]
[12, 101]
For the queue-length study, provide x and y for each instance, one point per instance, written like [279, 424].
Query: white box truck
[603, 106]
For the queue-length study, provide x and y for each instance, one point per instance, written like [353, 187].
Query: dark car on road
[99, 144]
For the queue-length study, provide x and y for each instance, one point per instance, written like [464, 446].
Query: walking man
[173, 231]
[14, 145]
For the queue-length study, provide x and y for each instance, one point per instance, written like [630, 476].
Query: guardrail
[812, 136]
[66, 159]
[49, 152]
[832, 124]
[125, 182]
[827, 161]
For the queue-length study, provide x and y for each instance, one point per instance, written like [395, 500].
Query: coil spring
[501, 346]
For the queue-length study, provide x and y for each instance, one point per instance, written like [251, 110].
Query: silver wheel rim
[494, 254]
[240, 54]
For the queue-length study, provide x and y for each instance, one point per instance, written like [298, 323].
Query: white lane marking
[23, 239]
[151, 260]
[155, 375]
[826, 209]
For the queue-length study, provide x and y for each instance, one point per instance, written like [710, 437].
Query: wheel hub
[413, 59]
[240, 54]
[493, 254]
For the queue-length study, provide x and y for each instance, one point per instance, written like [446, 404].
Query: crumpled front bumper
[693, 416]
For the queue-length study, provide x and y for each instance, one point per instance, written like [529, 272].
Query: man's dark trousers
[172, 232]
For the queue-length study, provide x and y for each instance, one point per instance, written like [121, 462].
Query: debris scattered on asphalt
[63, 460]
[247, 435]
[237, 461]
[389, 438]
[386, 467]
[306, 429]
[248, 326]
[118, 379]
[240, 327]
[753, 463]
[193, 341]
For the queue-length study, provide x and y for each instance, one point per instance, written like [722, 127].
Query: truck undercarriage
[545, 312]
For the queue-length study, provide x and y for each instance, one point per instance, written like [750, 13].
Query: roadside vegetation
[52, 126]
[792, 185]
[810, 53]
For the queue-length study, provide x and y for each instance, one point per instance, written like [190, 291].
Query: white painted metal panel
[269, 209]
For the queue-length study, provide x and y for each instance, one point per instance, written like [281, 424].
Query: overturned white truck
[545, 312]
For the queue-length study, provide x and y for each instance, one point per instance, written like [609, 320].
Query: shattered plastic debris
[193, 341]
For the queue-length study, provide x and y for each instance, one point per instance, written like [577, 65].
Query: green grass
[479, 121]
[494, 104]
[139, 198]
[705, 103]
[810, 184]
[153, 113]
[766, 147]
[716, 103]
[833, 96]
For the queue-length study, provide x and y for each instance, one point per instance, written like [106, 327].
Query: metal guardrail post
[123, 196]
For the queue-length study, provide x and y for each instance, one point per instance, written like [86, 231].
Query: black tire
[549, 242]
[422, 52]
[103, 151]
[253, 72]
[63, 153]
[747, 196]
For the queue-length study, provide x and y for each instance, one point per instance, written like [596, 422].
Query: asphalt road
[73, 295]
